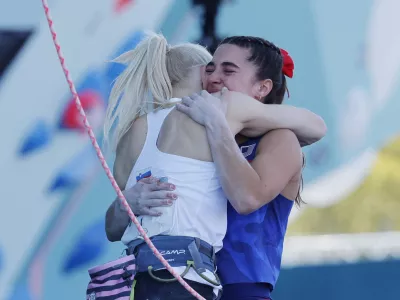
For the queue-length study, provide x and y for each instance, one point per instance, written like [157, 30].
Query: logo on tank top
[247, 150]
[144, 173]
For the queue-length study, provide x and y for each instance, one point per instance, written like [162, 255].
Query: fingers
[159, 202]
[183, 108]
[188, 101]
[147, 211]
[204, 94]
[196, 97]
[163, 179]
[161, 186]
[158, 195]
[156, 184]
[148, 180]
[151, 192]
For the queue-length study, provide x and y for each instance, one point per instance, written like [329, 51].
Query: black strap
[205, 248]
[195, 253]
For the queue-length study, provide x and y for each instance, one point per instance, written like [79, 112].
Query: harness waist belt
[177, 250]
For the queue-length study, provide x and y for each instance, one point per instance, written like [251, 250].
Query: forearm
[238, 179]
[116, 221]
[307, 126]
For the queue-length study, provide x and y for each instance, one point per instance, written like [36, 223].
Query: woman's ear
[265, 87]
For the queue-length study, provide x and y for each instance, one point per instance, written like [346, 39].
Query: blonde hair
[152, 70]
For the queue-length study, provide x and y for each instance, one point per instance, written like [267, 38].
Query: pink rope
[102, 159]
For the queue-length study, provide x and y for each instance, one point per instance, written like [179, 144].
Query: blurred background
[343, 244]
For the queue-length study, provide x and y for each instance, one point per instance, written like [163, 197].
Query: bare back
[182, 136]
[179, 135]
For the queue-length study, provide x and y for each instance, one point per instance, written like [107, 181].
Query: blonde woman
[153, 139]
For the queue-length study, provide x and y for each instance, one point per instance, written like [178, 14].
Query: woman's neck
[180, 93]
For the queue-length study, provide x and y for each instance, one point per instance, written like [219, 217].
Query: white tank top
[201, 208]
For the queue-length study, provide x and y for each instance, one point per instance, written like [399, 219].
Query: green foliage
[373, 207]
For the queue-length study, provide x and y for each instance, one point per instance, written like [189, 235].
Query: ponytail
[143, 86]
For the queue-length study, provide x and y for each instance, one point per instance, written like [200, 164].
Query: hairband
[288, 64]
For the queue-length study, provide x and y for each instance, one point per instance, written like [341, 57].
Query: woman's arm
[253, 118]
[117, 218]
[143, 196]
[250, 186]
[277, 161]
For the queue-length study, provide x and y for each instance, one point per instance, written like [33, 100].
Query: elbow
[251, 204]
[322, 129]
[112, 236]
[317, 132]
[245, 210]
[112, 233]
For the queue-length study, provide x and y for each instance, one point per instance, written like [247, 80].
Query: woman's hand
[203, 108]
[147, 194]
[143, 198]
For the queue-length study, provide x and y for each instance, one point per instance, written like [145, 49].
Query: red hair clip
[288, 64]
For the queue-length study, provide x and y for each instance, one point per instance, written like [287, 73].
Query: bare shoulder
[128, 150]
[283, 145]
[278, 163]
[280, 138]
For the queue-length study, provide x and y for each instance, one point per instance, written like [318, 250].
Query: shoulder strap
[154, 122]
